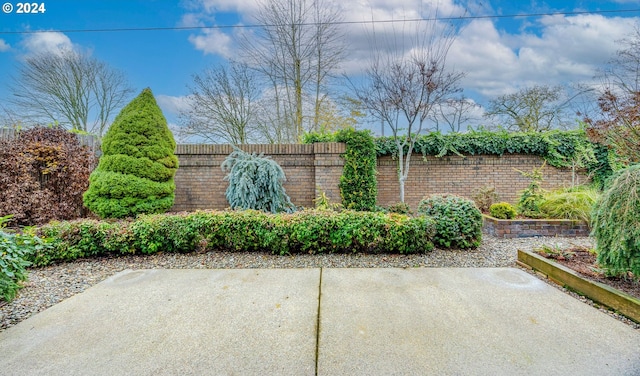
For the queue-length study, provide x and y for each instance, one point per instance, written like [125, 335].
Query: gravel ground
[50, 285]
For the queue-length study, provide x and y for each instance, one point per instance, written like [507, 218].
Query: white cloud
[47, 42]
[549, 50]
[214, 42]
[171, 104]
[566, 50]
[4, 46]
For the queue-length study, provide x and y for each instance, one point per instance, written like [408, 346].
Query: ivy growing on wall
[358, 185]
[558, 148]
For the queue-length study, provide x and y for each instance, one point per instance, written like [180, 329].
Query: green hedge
[243, 231]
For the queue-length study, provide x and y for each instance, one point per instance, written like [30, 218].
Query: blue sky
[499, 55]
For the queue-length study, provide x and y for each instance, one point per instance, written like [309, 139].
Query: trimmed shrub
[573, 203]
[503, 210]
[136, 170]
[43, 174]
[458, 220]
[615, 224]
[358, 184]
[255, 182]
[308, 231]
[400, 208]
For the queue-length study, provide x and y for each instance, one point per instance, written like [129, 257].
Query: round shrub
[502, 210]
[458, 220]
[136, 170]
[615, 223]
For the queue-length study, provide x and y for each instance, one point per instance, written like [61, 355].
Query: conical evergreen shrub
[136, 170]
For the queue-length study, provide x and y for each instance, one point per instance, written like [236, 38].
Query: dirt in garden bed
[583, 261]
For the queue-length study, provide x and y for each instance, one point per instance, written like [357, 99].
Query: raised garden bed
[601, 293]
[526, 228]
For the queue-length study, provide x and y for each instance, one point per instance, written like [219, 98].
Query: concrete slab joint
[423, 321]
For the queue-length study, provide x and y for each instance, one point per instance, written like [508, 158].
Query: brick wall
[525, 228]
[461, 176]
[200, 184]
[200, 180]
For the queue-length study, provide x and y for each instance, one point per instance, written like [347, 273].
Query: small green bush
[503, 210]
[458, 220]
[308, 231]
[532, 196]
[255, 182]
[358, 184]
[573, 203]
[616, 224]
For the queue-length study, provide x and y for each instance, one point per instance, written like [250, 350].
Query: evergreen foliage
[502, 210]
[532, 196]
[136, 170]
[308, 231]
[358, 184]
[458, 220]
[255, 182]
[615, 223]
[557, 148]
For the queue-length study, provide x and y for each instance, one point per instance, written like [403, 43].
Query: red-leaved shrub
[43, 174]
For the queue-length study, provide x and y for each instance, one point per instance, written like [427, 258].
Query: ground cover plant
[308, 231]
[136, 170]
[570, 203]
[15, 248]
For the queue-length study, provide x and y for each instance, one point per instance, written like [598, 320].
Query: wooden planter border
[617, 300]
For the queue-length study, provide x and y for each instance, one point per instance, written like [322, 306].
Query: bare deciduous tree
[223, 105]
[454, 114]
[533, 109]
[296, 52]
[618, 124]
[70, 88]
[404, 89]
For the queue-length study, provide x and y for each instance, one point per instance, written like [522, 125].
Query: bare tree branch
[403, 90]
[67, 88]
[222, 105]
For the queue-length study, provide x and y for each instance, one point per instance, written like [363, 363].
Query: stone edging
[617, 300]
[526, 228]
